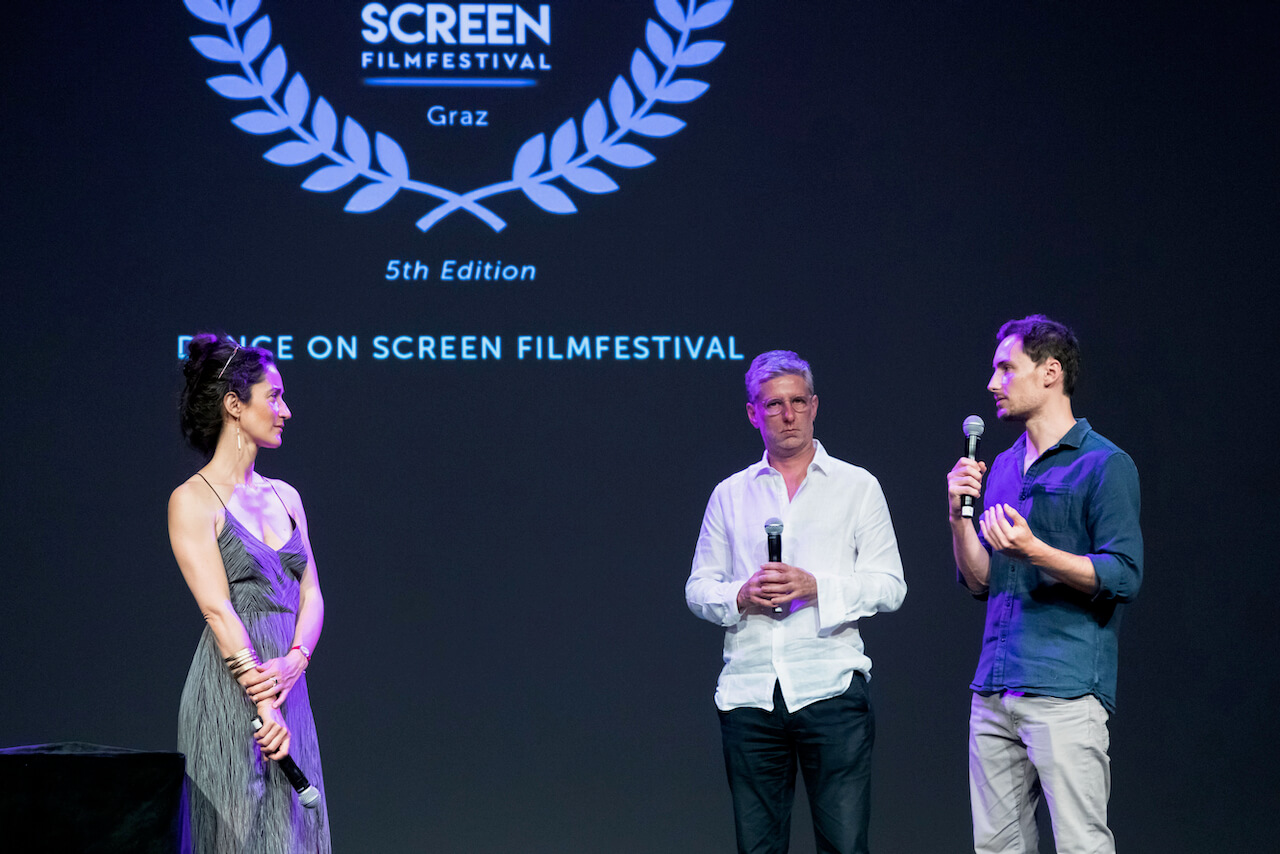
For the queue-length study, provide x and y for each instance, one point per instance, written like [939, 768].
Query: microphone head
[773, 525]
[973, 426]
[309, 797]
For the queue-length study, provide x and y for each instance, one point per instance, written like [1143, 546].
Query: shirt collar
[1073, 438]
[821, 462]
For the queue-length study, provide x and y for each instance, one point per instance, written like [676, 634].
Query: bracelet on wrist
[241, 662]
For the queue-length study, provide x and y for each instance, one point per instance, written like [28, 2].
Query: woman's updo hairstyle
[214, 366]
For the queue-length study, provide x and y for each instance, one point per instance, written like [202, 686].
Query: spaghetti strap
[287, 512]
[215, 492]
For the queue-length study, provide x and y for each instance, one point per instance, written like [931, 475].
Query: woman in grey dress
[241, 542]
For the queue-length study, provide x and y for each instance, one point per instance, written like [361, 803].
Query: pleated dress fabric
[240, 802]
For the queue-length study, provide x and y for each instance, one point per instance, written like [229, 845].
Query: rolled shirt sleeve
[711, 591]
[1112, 522]
[876, 581]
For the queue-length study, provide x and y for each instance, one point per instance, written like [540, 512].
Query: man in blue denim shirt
[1058, 554]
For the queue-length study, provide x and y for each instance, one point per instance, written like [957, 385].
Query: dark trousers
[831, 740]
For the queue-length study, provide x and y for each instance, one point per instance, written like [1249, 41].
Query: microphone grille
[973, 426]
[773, 525]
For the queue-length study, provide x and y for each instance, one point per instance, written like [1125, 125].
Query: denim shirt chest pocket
[1055, 512]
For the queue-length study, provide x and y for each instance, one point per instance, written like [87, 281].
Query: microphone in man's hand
[308, 795]
[973, 428]
[773, 528]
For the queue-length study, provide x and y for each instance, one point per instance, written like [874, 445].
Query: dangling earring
[237, 436]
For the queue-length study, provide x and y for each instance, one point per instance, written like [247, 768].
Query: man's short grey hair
[776, 363]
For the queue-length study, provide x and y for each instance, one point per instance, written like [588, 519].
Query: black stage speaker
[86, 798]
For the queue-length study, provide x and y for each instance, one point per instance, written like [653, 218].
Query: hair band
[229, 358]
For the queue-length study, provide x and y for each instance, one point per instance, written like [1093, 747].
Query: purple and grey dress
[240, 802]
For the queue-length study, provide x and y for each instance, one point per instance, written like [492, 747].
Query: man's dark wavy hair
[1042, 339]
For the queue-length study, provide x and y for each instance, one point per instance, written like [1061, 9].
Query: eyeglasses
[774, 407]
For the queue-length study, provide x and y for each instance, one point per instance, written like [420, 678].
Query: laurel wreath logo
[262, 80]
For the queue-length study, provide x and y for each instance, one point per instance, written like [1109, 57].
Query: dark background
[507, 663]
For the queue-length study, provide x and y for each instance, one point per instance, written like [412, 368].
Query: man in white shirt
[793, 688]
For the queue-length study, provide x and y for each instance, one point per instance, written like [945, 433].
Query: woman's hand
[273, 737]
[273, 679]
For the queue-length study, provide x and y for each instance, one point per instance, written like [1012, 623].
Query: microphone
[308, 795]
[973, 428]
[773, 528]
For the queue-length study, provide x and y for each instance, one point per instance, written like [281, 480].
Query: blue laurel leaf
[273, 70]
[621, 101]
[528, 159]
[659, 42]
[260, 122]
[329, 178]
[549, 198]
[256, 38]
[292, 153]
[219, 50]
[682, 91]
[594, 124]
[356, 143]
[627, 155]
[324, 123]
[672, 12]
[658, 124]
[643, 72]
[370, 197]
[242, 10]
[700, 53]
[236, 88]
[589, 179]
[206, 10]
[564, 144]
[296, 99]
[710, 14]
[391, 157]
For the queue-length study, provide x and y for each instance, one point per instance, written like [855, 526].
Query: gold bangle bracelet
[242, 662]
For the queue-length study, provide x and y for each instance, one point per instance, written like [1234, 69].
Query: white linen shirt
[837, 528]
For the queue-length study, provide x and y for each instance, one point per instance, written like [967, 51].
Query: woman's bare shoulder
[193, 496]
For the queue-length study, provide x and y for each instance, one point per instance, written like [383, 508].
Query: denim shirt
[1041, 636]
